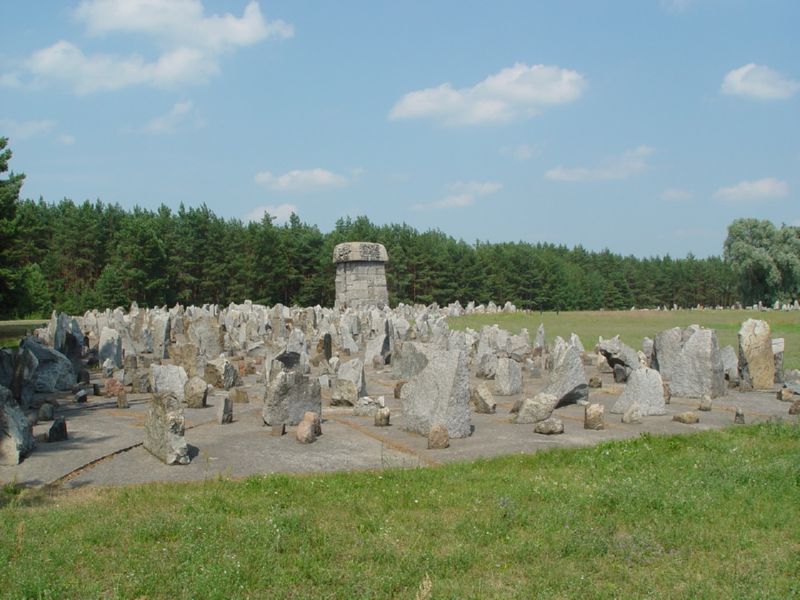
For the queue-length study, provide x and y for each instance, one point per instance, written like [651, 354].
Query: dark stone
[620, 374]
[58, 430]
[327, 346]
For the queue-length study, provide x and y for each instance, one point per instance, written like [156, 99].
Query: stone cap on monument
[360, 252]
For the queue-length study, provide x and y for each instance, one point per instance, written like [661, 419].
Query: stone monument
[360, 275]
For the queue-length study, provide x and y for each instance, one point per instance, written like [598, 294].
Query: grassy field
[12, 331]
[632, 326]
[710, 515]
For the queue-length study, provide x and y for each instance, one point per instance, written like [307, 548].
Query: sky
[641, 126]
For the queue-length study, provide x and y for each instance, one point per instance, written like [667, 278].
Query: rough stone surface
[221, 373]
[633, 414]
[481, 399]
[535, 409]
[738, 417]
[168, 378]
[690, 361]
[195, 392]
[367, 407]
[645, 388]
[756, 361]
[58, 430]
[360, 275]
[46, 412]
[593, 417]
[289, 396]
[730, 364]
[382, 417]
[617, 353]
[438, 438]
[794, 409]
[595, 382]
[16, 436]
[508, 378]
[549, 426]
[164, 429]
[54, 370]
[350, 383]
[110, 347]
[705, 403]
[224, 410]
[122, 399]
[568, 380]
[688, 418]
[785, 394]
[439, 394]
[305, 432]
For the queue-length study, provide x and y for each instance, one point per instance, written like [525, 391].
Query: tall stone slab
[690, 361]
[289, 395]
[646, 388]
[360, 275]
[16, 438]
[164, 430]
[756, 360]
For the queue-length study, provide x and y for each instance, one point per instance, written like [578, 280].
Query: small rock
[315, 421]
[305, 432]
[367, 407]
[738, 418]
[111, 387]
[82, 395]
[794, 409]
[481, 399]
[632, 416]
[278, 429]
[122, 399]
[195, 392]
[438, 438]
[667, 393]
[58, 430]
[225, 409]
[398, 387]
[595, 382]
[550, 426]
[536, 409]
[786, 394]
[46, 412]
[593, 417]
[689, 418]
[382, 416]
[705, 403]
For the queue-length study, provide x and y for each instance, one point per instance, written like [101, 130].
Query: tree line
[75, 256]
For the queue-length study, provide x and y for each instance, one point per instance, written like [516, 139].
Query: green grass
[710, 515]
[12, 331]
[632, 326]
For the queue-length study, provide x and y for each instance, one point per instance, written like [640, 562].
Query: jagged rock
[785, 394]
[140, 381]
[315, 421]
[438, 438]
[568, 379]
[487, 366]
[633, 414]
[378, 351]
[350, 383]
[617, 353]
[16, 435]
[168, 378]
[58, 430]
[481, 399]
[508, 379]
[22, 381]
[794, 409]
[690, 360]
[539, 344]
[439, 394]
[221, 373]
[205, 333]
[225, 410]
[289, 396]
[688, 418]
[164, 429]
[408, 360]
[382, 417]
[535, 409]
[54, 370]
[645, 388]
[111, 387]
[367, 407]
[730, 365]
[110, 347]
[778, 346]
[195, 392]
[593, 417]
[756, 361]
[549, 426]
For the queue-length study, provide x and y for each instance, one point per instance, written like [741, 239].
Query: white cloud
[628, 164]
[521, 151]
[25, 130]
[280, 214]
[758, 82]
[180, 113]
[513, 93]
[188, 45]
[465, 193]
[753, 191]
[676, 195]
[299, 180]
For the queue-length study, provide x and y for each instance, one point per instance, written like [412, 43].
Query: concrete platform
[104, 445]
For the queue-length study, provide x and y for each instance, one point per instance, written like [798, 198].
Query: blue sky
[643, 126]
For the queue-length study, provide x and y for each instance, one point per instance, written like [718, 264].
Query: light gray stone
[221, 373]
[568, 381]
[168, 378]
[164, 430]
[549, 426]
[617, 353]
[645, 388]
[16, 435]
[690, 361]
[593, 417]
[195, 392]
[730, 364]
[633, 414]
[350, 383]
[538, 408]
[367, 407]
[289, 396]
[508, 379]
[481, 399]
[110, 347]
[756, 360]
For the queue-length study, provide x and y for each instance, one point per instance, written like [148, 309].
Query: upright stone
[350, 383]
[645, 388]
[164, 429]
[690, 361]
[168, 378]
[756, 361]
[16, 436]
[225, 410]
[568, 380]
[508, 379]
[360, 275]
[289, 395]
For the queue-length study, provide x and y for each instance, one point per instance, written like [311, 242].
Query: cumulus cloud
[620, 167]
[464, 193]
[753, 191]
[676, 195]
[280, 214]
[25, 130]
[758, 82]
[188, 45]
[516, 92]
[299, 180]
[179, 114]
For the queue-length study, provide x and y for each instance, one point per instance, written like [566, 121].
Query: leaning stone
[58, 431]
[619, 355]
[756, 361]
[367, 407]
[164, 430]
[705, 403]
[438, 438]
[633, 414]
[46, 412]
[595, 382]
[508, 378]
[550, 426]
[225, 410]
[195, 392]
[688, 418]
[738, 418]
[122, 399]
[785, 394]
[593, 417]
[646, 389]
[382, 417]
[535, 409]
[481, 399]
